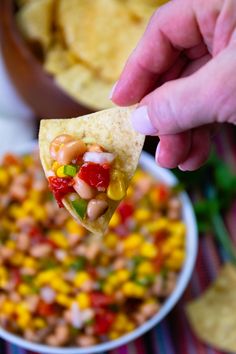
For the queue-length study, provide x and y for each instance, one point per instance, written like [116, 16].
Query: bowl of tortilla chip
[28, 164]
[64, 56]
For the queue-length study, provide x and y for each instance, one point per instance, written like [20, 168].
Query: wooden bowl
[34, 85]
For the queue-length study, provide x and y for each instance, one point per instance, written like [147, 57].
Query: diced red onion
[99, 157]
[47, 294]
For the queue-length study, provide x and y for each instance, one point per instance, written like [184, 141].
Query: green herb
[145, 281]
[80, 206]
[48, 263]
[216, 184]
[78, 264]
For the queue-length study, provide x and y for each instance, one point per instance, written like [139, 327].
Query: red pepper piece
[100, 300]
[103, 322]
[95, 175]
[125, 210]
[60, 187]
[45, 309]
[16, 276]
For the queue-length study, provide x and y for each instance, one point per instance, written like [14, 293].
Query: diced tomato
[16, 277]
[92, 271]
[160, 237]
[45, 309]
[159, 260]
[100, 300]
[60, 187]
[10, 159]
[161, 194]
[103, 322]
[95, 175]
[125, 210]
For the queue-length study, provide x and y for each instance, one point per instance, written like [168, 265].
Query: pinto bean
[40, 251]
[83, 189]
[96, 208]
[95, 148]
[57, 142]
[148, 310]
[70, 151]
[86, 341]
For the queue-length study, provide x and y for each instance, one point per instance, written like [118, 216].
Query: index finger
[172, 28]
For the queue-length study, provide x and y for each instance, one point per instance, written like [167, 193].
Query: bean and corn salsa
[84, 173]
[59, 288]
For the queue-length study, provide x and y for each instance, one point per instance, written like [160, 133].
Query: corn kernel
[115, 220]
[133, 241]
[148, 250]
[24, 320]
[24, 289]
[8, 307]
[55, 166]
[4, 178]
[145, 268]
[30, 262]
[59, 239]
[63, 300]
[39, 213]
[160, 224]
[177, 228]
[111, 240]
[10, 244]
[104, 260]
[176, 259]
[60, 172]
[116, 189]
[81, 278]
[122, 275]
[18, 259]
[108, 289]
[142, 215]
[74, 228]
[60, 285]
[17, 212]
[133, 290]
[39, 323]
[29, 205]
[114, 335]
[130, 326]
[112, 280]
[129, 191]
[83, 300]
[46, 277]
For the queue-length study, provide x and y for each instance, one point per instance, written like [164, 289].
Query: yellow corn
[63, 300]
[117, 188]
[177, 228]
[142, 215]
[133, 241]
[18, 259]
[81, 278]
[55, 166]
[114, 335]
[160, 224]
[24, 320]
[10, 244]
[60, 172]
[29, 205]
[111, 240]
[39, 323]
[108, 289]
[130, 326]
[17, 212]
[148, 250]
[115, 220]
[46, 277]
[4, 178]
[129, 191]
[176, 259]
[60, 285]
[133, 290]
[39, 213]
[104, 260]
[122, 275]
[74, 228]
[120, 322]
[30, 262]
[24, 289]
[145, 268]
[8, 307]
[83, 300]
[59, 239]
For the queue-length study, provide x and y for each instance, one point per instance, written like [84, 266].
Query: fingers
[187, 150]
[199, 151]
[173, 149]
[157, 51]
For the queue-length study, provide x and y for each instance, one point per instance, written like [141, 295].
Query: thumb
[178, 105]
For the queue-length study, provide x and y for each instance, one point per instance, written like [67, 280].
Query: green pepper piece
[69, 170]
[80, 206]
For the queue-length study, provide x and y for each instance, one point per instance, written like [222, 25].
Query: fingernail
[182, 168]
[141, 121]
[158, 153]
[113, 90]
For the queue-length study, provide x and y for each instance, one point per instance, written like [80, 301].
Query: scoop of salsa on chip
[89, 162]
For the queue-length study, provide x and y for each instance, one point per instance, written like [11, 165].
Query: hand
[183, 73]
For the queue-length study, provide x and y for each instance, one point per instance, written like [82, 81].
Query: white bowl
[147, 162]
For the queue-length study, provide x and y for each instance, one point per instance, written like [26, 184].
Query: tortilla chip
[213, 315]
[144, 9]
[101, 33]
[82, 84]
[35, 21]
[58, 59]
[110, 128]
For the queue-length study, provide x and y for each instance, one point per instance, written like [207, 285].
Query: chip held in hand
[89, 162]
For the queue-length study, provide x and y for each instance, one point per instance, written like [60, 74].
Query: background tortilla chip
[101, 33]
[213, 315]
[82, 84]
[35, 21]
[110, 128]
